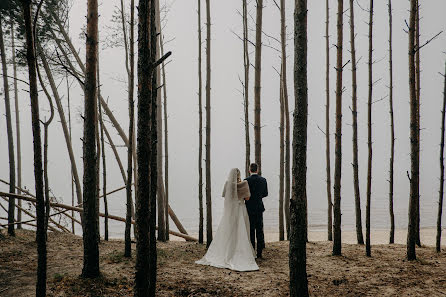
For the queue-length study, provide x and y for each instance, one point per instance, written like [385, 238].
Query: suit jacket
[259, 190]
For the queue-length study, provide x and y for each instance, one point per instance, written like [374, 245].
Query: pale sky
[227, 110]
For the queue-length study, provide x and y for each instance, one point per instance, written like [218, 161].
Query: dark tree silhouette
[208, 126]
[200, 134]
[257, 86]
[298, 205]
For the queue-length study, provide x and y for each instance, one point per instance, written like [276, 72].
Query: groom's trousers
[256, 231]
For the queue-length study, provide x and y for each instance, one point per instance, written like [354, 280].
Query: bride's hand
[247, 198]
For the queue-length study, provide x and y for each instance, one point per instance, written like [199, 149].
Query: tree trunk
[17, 122]
[40, 208]
[369, 134]
[337, 249]
[257, 86]
[200, 134]
[145, 275]
[441, 191]
[418, 92]
[246, 86]
[287, 116]
[166, 143]
[11, 207]
[208, 126]
[161, 194]
[90, 199]
[129, 204]
[104, 165]
[327, 123]
[69, 128]
[298, 206]
[392, 130]
[281, 158]
[359, 236]
[415, 165]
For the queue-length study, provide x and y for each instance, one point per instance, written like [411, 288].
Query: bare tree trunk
[337, 249]
[208, 126]
[246, 85]
[128, 217]
[40, 208]
[11, 206]
[69, 128]
[145, 274]
[415, 165]
[17, 122]
[257, 86]
[166, 143]
[161, 193]
[298, 206]
[90, 205]
[287, 116]
[392, 130]
[418, 92]
[200, 135]
[441, 191]
[369, 119]
[104, 165]
[355, 164]
[327, 123]
[281, 158]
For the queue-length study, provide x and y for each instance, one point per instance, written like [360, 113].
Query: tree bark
[441, 191]
[257, 86]
[359, 236]
[200, 135]
[17, 122]
[369, 134]
[69, 128]
[337, 249]
[246, 65]
[90, 197]
[415, 165]
[208, 126]
[145, 275]
[104, 163]
[392, 129]
[38, 175]
[418, 92]
[129, 204]
[298, 206]
[327, 123]
[11, 206]
[281, 158]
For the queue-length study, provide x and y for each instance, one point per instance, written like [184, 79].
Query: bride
[231, 247]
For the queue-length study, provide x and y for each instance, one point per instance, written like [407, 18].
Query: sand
[386, 273]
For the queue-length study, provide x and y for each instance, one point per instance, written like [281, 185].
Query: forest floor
[386, 273]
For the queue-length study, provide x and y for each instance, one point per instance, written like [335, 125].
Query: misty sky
[227, 139]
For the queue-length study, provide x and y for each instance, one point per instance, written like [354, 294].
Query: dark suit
[259, 189]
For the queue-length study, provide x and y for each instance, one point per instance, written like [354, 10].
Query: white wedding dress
[231, 247]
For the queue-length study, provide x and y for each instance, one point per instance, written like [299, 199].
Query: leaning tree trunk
[298, 205]
[415, 165]
[392, 130]
[145, 274]
[327, 123]
[17, 122]
[90, 199]
[246, 85]
[200, 134]
[38, 174]
[418, 92]
[338, 143]
[369, 134]
[441, 191]
[128, 216]
[282, 157]
[355, 164]
[287, 116]
[11, 206]
[104, 164]
[257, 86]
[208, 126]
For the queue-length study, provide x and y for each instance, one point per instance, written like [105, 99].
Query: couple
[242, 222]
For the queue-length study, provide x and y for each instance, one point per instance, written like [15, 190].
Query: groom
[259, 189]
